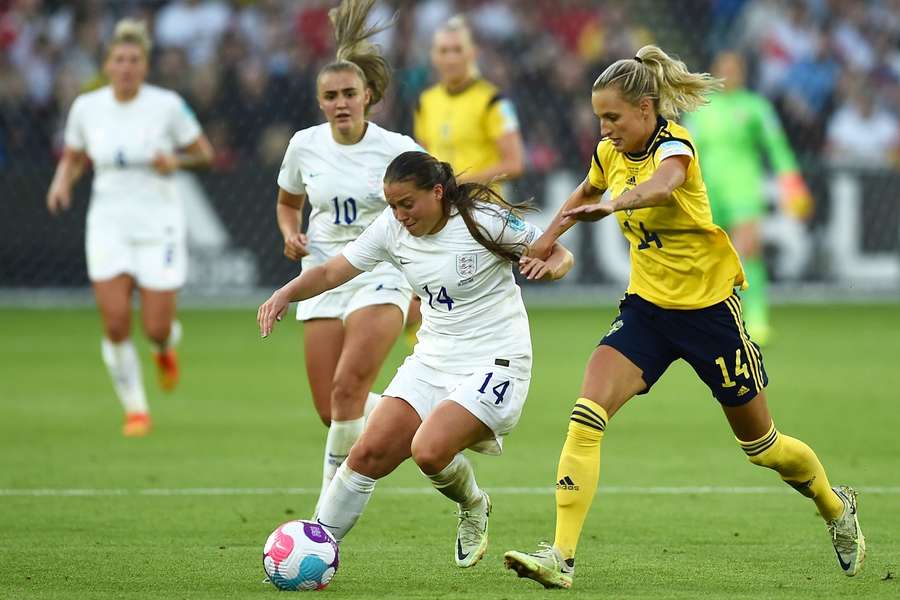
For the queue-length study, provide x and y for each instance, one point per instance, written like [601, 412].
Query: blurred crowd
[248, 67]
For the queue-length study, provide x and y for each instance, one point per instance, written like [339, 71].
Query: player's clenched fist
[295, 246]
[58, 198]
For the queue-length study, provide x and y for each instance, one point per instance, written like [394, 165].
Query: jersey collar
[463, 89]
[660, 125]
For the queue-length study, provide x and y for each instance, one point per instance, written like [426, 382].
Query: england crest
[466, 265]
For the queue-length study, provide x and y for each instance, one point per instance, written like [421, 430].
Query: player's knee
[430, 458]
[157, 332]
[117, 329]
[369, 457]
[348, 396]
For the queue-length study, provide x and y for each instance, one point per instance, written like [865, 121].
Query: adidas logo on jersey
[631, 180]
[566, 483]
[744, 389]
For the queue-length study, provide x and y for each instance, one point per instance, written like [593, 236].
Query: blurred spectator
[547, 52]
[172, 70]
[22, 136]
[852, 35]
[807, 95]
[250, 102]
[193, 25]
[863, 134]
[785, 38]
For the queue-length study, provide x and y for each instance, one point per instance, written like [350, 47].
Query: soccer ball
[300, 555]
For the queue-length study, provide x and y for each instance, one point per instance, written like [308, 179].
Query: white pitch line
[415, 491]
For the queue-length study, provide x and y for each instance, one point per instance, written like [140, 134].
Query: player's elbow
[565, 265]
[206, 153]
[568, 261]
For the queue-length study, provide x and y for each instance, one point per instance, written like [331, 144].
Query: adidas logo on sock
[566, 483]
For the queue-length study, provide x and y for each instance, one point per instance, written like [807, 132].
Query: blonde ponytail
[131, 31]
[354, 50]
[667, 81]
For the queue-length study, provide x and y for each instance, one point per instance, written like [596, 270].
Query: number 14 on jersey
[442, 297]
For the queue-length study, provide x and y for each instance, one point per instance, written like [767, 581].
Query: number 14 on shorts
[499, 389]
[740, 368]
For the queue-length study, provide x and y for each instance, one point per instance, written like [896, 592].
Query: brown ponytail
[354, 50]
[425, 172]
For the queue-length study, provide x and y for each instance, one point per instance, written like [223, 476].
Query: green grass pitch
[242, 418]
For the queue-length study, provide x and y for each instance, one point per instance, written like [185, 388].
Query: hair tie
[639, 59]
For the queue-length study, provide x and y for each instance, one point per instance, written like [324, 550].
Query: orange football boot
[136, 425]
[166, 369]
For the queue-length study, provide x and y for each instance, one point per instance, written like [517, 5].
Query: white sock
[174, 337]
[341, 437]
[124, 368]
[457, 482]
[372, 401]
[344, 501]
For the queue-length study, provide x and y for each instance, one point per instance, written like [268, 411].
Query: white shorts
[382, 285]
[494, 394]
[156, 262]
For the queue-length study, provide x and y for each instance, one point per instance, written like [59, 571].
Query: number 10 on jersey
[349, 207]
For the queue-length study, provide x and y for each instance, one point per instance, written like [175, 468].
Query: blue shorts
[713, 340]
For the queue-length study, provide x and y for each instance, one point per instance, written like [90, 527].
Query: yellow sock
[798, 466]
[578, 473]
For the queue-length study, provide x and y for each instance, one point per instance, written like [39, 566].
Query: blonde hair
[459, 24]
[667, 81]
[354, 50]
[131, 31]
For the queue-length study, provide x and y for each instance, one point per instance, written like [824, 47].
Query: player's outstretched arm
[656, 191]
[585, 193]
[308, 284]
[554, 267]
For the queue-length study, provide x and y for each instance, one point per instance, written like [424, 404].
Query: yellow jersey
[462, 128]
[679, 258]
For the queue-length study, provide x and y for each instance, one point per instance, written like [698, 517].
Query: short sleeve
[74, 134]
[673, 148]
[290, 176]
[371, 247]
[508, 228]
[501, 117]
[184, 125]
[407, 144]
[596, 175]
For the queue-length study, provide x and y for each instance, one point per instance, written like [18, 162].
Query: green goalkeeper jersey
[731, 132]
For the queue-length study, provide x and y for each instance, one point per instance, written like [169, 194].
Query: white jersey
[342, 182]
[121, 139]
[472, 309]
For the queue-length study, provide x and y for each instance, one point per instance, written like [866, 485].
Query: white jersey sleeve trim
[507, 228]
[673, 148]
[510, 118]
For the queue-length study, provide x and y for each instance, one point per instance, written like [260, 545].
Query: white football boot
[546, 566]
[472, 534]
[847, 537]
